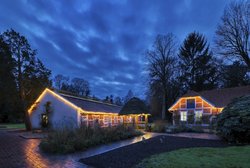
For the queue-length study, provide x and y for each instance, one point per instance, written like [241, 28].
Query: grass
[12, 126]
[230, 157]
[66, 140]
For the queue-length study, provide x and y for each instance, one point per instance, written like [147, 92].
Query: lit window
[198, 115]
[115, 119]
[190, 103]
[107, 120]
[183, 116]
[84, 119]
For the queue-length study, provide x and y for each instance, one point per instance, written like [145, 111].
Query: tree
[118, 101]
[60, 80]
[80, 87]
[30, 74]
[232, 35]
[8, 91]
[161, 65]
[235, 75]
[129, 95]
[233, 123]
[197, 65]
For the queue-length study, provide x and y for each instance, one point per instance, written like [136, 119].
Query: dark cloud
[104, 41]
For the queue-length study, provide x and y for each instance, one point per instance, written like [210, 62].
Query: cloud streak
[104, 41]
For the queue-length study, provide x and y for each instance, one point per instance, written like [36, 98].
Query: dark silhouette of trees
[197, 65]
[77, 86]
[235, 75]
[118, 101]
[30, 74]
[8, 92]
[161, 67]
[60, 80]
[233, 32]
[129, 95]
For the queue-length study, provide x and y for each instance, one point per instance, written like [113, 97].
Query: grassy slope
[201, 157]
[12, 126]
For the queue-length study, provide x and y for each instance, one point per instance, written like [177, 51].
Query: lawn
[12, 126]
[237, 156]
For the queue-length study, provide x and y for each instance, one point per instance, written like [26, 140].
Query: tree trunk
[163, 112]
[22, 93]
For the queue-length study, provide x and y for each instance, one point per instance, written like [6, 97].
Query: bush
[159, 126]
[65, 140]
[182, 128]
[233, 124]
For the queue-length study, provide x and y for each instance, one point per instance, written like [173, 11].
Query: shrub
[159, 126]
[184, 128]
[233, 124]
[66, 140]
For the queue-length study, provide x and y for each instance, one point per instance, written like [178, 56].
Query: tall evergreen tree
[30, 74]
[197, 65]
[8, 92]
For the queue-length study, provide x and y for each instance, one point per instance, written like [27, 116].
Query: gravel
[131, 155]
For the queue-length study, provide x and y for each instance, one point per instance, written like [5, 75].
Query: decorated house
[202, 107]
[55, 109]
[135, 112]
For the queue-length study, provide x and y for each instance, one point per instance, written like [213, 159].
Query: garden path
[20, 152]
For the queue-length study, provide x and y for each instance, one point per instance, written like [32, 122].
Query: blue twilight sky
[103, 41]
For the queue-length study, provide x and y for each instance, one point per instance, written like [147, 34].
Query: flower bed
[67, 140]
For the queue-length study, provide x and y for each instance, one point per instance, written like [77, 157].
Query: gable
[46, 92]
[200, 102]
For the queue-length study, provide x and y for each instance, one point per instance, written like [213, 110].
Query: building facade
[57, 110]
[201, 108]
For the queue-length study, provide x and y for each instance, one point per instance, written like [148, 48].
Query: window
[107, 120]
[121, 119]
[115, 119]
[141, 118]
[198, 115]
[183, 116]
[45, 120]
[190, 103]
[84, 119]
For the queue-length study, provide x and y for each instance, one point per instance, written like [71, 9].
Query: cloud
[104, 41]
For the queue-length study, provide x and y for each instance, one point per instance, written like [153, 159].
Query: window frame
[183, 117]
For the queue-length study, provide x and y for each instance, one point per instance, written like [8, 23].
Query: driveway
[17, 152]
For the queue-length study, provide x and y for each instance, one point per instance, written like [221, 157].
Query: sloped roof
[92, 105]
[221, 97]
[134, 106]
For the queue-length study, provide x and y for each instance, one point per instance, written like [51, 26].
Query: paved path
[195, 135]
[17, 152]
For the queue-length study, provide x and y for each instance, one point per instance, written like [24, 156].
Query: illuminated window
[84, 119]
[107, 120]
[45, 120]
[190, 103]
[198, 115]
[183, 116]
[121, 119]
[115, 119]
[141, 118]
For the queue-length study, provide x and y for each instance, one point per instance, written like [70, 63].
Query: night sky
[104, 41]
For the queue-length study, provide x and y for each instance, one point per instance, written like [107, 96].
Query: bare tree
[59, 80]
[161, 59]
[80, 87]
[232, 35]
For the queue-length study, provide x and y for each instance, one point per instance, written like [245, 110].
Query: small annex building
[202, 107]
[60, 109]
[135, 112]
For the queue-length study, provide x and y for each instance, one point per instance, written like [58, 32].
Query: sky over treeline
[104, 41]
